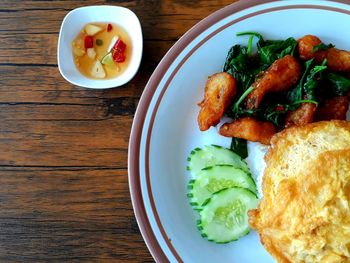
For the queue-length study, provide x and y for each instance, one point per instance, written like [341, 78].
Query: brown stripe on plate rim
[138, 123]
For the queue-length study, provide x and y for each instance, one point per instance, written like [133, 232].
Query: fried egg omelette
[304, 215]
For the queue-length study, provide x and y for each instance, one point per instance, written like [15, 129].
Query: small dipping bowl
[75, 21]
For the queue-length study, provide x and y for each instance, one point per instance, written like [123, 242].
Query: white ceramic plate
[165, 127]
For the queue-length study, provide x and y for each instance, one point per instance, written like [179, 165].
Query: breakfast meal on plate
[283, 83]
[304, 215]
[292, 96]
[101, 50]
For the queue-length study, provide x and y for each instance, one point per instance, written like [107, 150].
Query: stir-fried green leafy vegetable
[340, 84]
[247, 63]
[270, 50]
[241, 66]
[322, 46]
[308, 84]
[239, 146]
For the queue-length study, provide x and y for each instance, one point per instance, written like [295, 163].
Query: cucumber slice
[215, 178]
[224, 218]
[211, 155]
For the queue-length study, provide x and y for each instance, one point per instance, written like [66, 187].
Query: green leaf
[275, 49]
[236, 59]
[313, 81]
[296, 94]
[275, 113]
[239, 64]
[340, 84]
[261, 40]
[250, 46]
[237, 106]
[322, 46]
[239, 146]
[251, 33]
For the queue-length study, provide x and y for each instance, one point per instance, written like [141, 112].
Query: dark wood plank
[28, 48]
[15, 5]
[58, 214]
[68, 143]
[161, 20]
[57, 112]
[29, 84]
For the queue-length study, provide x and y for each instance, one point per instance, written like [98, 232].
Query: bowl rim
[112, 81]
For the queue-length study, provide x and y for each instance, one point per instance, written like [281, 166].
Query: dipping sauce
[102, 50]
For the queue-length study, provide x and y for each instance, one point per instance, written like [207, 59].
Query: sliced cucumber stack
[222, 190]
[215, 178]
[211, 155]
[224, 218]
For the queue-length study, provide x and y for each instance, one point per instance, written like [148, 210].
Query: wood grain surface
[64, 192]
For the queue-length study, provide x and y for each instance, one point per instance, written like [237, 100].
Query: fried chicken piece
[337, 60]
[302, 115]
[250, 129]
[219, 90]
[305, 48]
[280, 76]
[333, 109]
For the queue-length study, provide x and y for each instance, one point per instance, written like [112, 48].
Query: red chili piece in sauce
[88, 42]
[118, 57]
[279, 108]
[118, 51]
[109, 27]
[119, 46]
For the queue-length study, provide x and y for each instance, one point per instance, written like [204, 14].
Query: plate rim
[142, 110]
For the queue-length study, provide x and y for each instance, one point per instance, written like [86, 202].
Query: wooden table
[64, 192]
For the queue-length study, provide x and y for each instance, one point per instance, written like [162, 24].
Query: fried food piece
[280, 76]
[305, 48]
[219, 90]
[250, 129]
[337, 60]
[304, 215]
[333, 109]
[302, 115]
